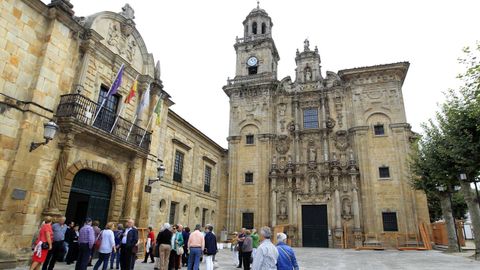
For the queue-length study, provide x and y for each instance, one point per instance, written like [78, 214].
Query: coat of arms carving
[341, 140]
[283, 144]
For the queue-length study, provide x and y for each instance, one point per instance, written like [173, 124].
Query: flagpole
[148, 123]
[108, 93]
[131, 127]
[121, 110]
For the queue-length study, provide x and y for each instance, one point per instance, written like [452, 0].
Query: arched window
[264, 28]
[254, 28]
[246, 29]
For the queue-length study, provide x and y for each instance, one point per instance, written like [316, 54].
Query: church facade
[326, 156]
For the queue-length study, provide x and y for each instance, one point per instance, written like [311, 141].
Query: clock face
[252, 61]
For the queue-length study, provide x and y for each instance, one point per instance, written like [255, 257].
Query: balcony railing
[83, 110]
[253, 37]
[252, 78]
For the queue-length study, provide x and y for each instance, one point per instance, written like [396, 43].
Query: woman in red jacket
[43, 244]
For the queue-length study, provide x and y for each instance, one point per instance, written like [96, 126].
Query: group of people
[174, 247]
[59, 242]
[256, 251]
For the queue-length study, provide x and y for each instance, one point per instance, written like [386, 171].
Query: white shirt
[108, 242]
[266, 257]
[124, 239]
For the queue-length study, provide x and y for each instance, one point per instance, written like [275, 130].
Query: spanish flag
[132, 92]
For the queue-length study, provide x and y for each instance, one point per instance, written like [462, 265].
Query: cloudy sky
[194, 42]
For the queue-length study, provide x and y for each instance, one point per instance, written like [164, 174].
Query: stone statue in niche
[283, 208]
[128, 12]
[313, 185]
[308, 74]
[312, 154]
[347, 209]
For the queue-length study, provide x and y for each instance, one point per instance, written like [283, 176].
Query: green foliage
[459, 206]
[451, 141]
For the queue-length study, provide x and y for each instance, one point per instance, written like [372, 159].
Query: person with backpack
[107, 245]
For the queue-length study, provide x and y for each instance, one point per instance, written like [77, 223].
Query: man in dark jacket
[128, 246]
[210, 247]
[186, 235]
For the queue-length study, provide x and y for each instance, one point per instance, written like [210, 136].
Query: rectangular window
[384, 172]
[247, 220]
[106, 116]
[310, 118]
[204, 217]
[173, 210]
[178, 167]
[379, 130]
[248, 177]
[208, 177]
[390, 221]
[250, 139]
[252, 70]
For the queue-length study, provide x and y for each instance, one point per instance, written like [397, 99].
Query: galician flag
[118, 81]
[145, 101]
[158, 110]
[133, 91]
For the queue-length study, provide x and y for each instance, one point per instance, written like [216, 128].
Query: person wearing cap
[286, 256]
[86, 239]
[196, 244]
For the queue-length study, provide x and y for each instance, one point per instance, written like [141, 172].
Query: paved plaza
[336, 259]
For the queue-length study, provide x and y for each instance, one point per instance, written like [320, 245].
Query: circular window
[163, 205]
[185, 210]
[197, 212]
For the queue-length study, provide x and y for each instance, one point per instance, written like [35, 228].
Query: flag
[118, 81]
[145, 101]
[158, 110]
[133, 91]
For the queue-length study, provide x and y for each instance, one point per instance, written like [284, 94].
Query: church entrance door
[314, 226]
[89, 197]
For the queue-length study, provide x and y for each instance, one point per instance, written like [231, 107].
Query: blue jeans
[102, 258]
[194, 258]
[113, 256]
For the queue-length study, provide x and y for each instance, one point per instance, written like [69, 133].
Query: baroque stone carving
[346, 209]
[128, 12]
[125, 44]
[341, 140]
[283, 144]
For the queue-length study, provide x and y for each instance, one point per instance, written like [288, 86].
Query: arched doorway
[89, 197]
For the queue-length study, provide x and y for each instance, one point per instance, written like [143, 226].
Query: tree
[451, 144]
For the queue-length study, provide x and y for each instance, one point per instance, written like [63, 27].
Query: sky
[194, 42]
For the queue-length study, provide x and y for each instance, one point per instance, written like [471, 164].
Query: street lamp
[444, 189]
[463, 177]
[49, 130]
[160, 174]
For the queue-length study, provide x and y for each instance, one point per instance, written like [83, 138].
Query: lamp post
[463, 177]
[160, 174]
[444, 189]
[49, 130]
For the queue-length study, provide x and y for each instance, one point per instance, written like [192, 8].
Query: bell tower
[256, 51]
[251, 137]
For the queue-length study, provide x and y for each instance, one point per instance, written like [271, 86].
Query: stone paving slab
[337, 259]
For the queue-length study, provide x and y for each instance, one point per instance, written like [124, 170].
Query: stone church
[323, 153]
[322, 156]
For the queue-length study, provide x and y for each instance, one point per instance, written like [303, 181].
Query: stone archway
[117, 182]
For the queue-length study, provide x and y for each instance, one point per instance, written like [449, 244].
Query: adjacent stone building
[325, 155]
[322, 154]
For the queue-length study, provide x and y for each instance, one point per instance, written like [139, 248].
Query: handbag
[180, 251]
[45, 245]
[98, 242]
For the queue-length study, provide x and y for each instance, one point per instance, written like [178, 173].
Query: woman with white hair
[163, 247]
[286, 256]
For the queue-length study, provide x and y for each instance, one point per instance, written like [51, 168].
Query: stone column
[232, 182]
[128, 201]
[56, 194]
[87, 48]
[290, 200]
[297, 130]
[273, 190]
[338, 208]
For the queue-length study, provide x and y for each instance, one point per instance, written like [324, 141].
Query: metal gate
[89, 197]
[314, 226]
